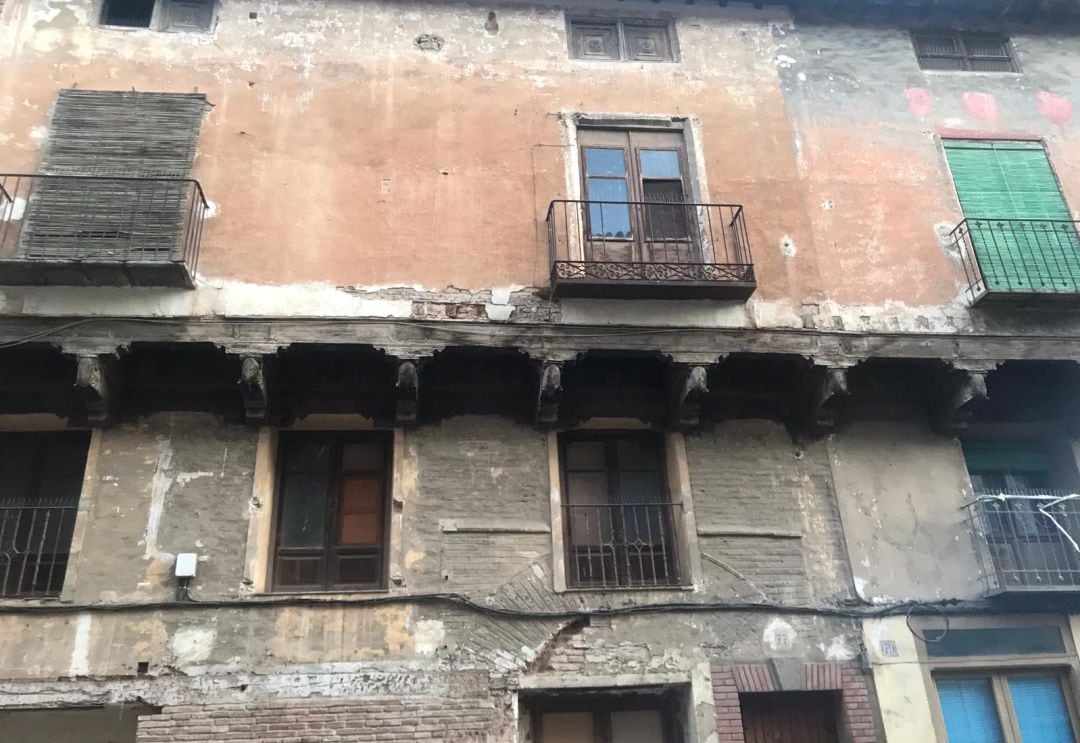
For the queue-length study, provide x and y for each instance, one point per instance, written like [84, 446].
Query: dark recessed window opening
[621, 526]
[973, 52]
[634, 41]
[128, 13]
[332, 513]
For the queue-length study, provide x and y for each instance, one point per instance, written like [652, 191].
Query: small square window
[973, 52]
[161, 15]
[636, 41]
[128, 13]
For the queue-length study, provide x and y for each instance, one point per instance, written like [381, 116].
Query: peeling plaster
[80, 650]
[779, 635]
[192, 644]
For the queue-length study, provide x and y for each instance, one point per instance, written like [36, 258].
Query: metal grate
[34, 541]
[1019, 257]
[1033, 538]
[974, 52]
[622, 545]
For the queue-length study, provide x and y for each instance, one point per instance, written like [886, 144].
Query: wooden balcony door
[637, 188]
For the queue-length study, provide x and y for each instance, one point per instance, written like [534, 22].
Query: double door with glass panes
[637, 198]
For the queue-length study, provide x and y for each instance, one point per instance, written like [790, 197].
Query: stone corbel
[825, 387]
[95, 381]
[254, 388]
[549, 395]
[964, 387]
[407, 388]
[689, 387]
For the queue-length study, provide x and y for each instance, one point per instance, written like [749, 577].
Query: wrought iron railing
[622, 545]
[1019, 258]
[648, 241]
[1032, 538]
[100, 220]
[35, 538]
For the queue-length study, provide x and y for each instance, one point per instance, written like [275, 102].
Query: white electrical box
[185, 564]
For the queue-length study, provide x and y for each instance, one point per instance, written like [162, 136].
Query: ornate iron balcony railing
[1019, 259]
[1031, 539]
[96, 230]
[658, 249]
[622, 545]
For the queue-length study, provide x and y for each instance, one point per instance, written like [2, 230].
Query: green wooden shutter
[1018, 220]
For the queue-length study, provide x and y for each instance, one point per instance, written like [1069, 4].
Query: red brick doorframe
[857, 717]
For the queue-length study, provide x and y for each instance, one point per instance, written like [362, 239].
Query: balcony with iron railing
[1031, 539]
[75, 230]
[622, 545]
[653, 249]
[1020, 260]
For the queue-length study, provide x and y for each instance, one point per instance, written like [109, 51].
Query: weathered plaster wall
[903, 698]
[901, 491]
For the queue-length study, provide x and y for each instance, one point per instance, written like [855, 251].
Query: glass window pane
[637, 454]
[362, 457]
[1040, 708]
[970, 714]
[361, 512]
[567, 727]
[303, 511]
[586, 487]
[359, 570]
[641, 487]
[637, 726]
[309, 456]
[297, 571]
[608, 220]
[601, 161]
[586, 455]
[660, 164]
[997, 641]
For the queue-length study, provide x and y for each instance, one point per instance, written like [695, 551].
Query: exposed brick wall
[857, 723]
[472, 720]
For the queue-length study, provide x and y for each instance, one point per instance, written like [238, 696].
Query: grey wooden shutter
[140, 146]
[188, 15]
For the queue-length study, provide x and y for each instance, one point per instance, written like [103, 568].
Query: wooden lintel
[408, 391]
[549, 395]
[690, 385]
[254, 388]
[95, 382]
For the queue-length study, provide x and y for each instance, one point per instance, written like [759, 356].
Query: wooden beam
[95, 380]
[689, 387]
[408, 391]
[549, 395]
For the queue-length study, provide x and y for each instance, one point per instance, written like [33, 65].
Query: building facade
[607, 371]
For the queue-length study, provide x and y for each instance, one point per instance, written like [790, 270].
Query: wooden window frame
[333, 508]
[619, 25]
[161, 17]
[676, 574]
[962, 55]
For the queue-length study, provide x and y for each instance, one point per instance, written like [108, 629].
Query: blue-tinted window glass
[969, 711]
[604, 162]
[608, 220]
[1040, 709]
[660, 164]
[997, 641]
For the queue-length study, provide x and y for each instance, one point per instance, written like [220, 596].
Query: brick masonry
[857, 723]
[478, 719]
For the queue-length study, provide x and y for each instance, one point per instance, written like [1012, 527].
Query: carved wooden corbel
[95, 380]
[824, 389]
[253, 387]
[549, 395]
[408, 391]
[963, 390]
[690, 386]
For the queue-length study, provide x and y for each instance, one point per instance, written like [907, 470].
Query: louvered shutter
[970, 714]
[115, 135]
[1040, 709]
[1017, 217]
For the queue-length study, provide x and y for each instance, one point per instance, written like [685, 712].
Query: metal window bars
[35, 538]
[1019, 259]
[101, 226]
[1032, 538]
[622, 545]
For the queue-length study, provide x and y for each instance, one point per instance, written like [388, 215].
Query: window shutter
[1040, 709]
[188, 15]
[1018, 218]
[969, 711]
[114, 135]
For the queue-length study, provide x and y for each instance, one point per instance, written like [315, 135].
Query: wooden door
[637, 192]
[791, 717]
